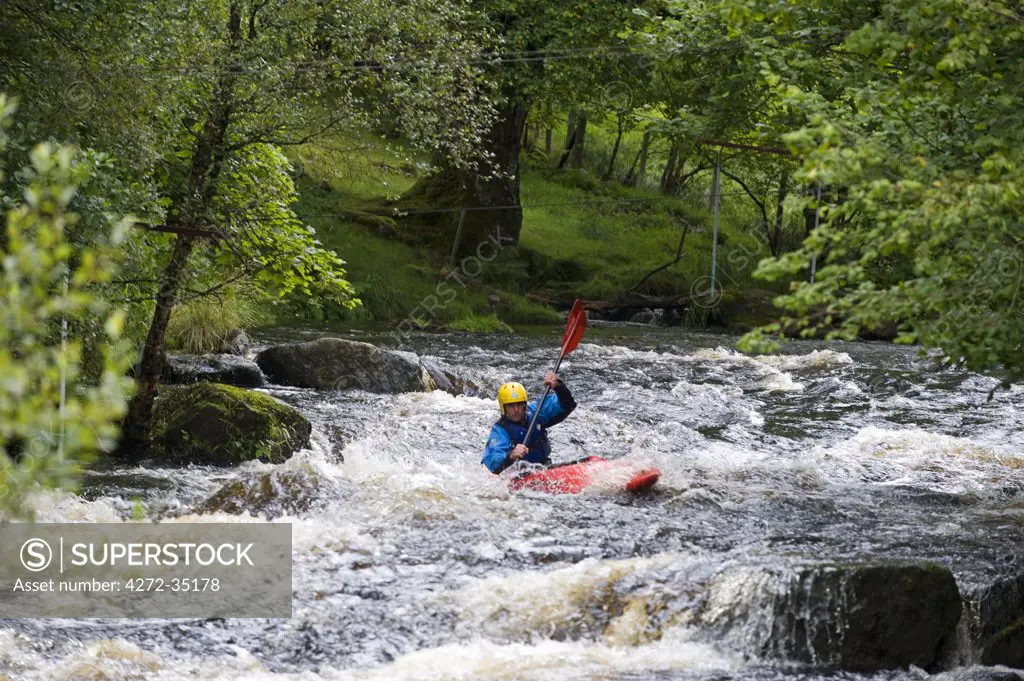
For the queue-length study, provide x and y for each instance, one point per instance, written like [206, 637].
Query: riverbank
[581, 236]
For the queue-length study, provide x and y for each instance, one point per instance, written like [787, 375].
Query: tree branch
[750, 193]
[679, 256]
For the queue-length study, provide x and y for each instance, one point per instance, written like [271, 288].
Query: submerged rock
[855, 617]
[227, 369]
[644, 316]
[977, 673]
[284, 491]
[337, 364]
[449, 382]
[220, 425]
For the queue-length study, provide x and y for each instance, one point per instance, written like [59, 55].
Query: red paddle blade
[574, 327]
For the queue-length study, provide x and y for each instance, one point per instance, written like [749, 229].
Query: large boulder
[855, 617]
[282, 491]
[227, 369]
[220, 425]
[337, 364]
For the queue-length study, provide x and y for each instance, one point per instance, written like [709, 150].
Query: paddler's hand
[518, 452]
[551, 379]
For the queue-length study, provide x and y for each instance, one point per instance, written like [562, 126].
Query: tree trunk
[645, 146]
[636, 173]
[570, 130]
[668, 176]
[490, 193]
[576, 157]
[775, 237]
[570, 144]
[136, 429]
[615, 151]
[547, 141]
[188, 209]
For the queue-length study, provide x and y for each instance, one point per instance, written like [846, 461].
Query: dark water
[420, 565]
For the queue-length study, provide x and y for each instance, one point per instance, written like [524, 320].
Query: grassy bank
[581, 236]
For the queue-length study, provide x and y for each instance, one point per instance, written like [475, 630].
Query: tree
[713, 82]
[217, 88]
[924, 143]
[50, 420]
[558, 54]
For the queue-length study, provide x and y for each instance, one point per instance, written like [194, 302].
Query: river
[421, 565]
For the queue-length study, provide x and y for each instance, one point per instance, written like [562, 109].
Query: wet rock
[284, 491]
[997, 620]
[1007, 646]
[672, 317]
[449, 382]
[224, 368]
[337, 364]
[236, 342]
[860, 618]
[978, 673]
[644, 316]
[220, 425]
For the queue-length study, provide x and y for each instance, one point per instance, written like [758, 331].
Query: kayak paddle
[574, 328]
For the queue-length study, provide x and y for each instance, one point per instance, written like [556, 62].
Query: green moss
[1006, 647]
[480, 324]
[216, 424]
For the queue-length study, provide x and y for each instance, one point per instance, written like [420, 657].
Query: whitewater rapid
[421, 565]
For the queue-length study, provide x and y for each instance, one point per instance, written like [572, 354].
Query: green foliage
[190, 105]
[516, 309]
[480, 324]
[138, 510]
[201, 325]
[265, 237]
[925, 145]
[45, 280]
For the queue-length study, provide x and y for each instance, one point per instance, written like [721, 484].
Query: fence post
[716, 182]
[817, 214]
[458, 239]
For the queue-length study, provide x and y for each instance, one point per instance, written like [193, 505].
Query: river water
[420, 565]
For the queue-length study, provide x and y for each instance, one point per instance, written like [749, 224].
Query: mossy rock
[1007, 647]
[220, 425]
[480, 324]
[742, 311]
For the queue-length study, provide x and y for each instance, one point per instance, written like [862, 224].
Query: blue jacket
[507, 434]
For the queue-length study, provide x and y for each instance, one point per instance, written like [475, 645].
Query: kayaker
[505, 444]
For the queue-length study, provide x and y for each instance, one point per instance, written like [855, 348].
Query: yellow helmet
[510, 393]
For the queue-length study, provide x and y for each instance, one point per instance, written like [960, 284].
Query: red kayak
[574, 477]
